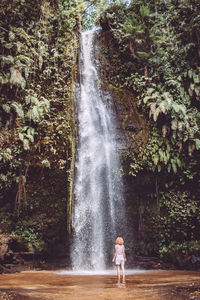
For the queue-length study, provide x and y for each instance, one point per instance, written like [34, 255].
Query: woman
[120, 258]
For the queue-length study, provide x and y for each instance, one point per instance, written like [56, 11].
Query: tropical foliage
[159, 47]
[152, 50]
[39, 43]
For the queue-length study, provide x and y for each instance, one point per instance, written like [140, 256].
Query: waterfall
[98, 214]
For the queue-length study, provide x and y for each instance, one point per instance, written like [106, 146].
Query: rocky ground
[9, 295]
[190, 292]
[187, 292]
[51, 285]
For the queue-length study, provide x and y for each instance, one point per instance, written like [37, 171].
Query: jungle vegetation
[151, 50]
[39, 44]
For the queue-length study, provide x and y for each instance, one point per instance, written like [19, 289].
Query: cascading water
[98, 207]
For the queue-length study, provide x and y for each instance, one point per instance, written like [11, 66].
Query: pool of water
[99, 272]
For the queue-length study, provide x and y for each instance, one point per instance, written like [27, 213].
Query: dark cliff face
[132, 125]
[133, 134]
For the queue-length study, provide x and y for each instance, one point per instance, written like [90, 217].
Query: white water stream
[98, 216]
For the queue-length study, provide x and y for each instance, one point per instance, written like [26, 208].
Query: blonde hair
[119, 241]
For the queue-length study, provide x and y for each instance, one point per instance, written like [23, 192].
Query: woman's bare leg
[123, 273]
[118, 273]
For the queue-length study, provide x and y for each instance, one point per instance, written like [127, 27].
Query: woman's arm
[115, 253]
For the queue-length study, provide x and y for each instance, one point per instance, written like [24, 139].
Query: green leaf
[178, 162]
[197, 144]
[6, 108]
[197, 91]
[26, 144]
[156, 113]
[174, 124]
[23, 59]
[7, 59]
[18, 108]
[193, 208]
[174, 167]
[150, 91]
[196, 78]
[176, 107]
[143, 55]
[145, 99]
[155, 159]
[21, 137]
[161, 154]
[182, 91]
[190, 73]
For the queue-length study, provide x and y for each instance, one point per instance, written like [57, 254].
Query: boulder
[11, 248]
[6, 254]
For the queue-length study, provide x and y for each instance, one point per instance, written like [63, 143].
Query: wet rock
[10, 254]
[9, 295]
[195, 259]
[6, 254]
[188, 262]
[132, 127]
[187, 292]
[152, 263]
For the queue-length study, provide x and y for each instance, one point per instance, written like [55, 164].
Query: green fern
[18, 108]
